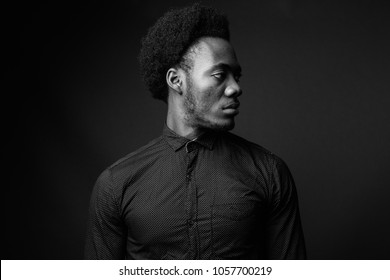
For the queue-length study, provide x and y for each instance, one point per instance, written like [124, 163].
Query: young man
[197, 191]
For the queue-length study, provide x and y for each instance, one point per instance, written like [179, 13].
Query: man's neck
[183, 130]
[176, 119]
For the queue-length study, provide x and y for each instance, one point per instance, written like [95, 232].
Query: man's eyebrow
[236, 68]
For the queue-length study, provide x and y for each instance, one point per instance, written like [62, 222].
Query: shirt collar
[176, 141]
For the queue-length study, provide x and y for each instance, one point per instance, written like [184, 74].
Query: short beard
[193, 117]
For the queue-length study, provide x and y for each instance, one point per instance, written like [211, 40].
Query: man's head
[210, 90]
[187, 56]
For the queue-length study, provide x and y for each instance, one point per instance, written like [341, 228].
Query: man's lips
[232, 108]
[234, 105]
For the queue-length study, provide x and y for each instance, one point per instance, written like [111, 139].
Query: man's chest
[209, 204]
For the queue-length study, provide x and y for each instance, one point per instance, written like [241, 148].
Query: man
[197, 191]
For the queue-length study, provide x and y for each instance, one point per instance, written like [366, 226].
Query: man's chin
[221, 126]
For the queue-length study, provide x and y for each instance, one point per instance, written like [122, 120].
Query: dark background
[316, 93]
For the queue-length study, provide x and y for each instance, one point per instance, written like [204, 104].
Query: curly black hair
[168, 40]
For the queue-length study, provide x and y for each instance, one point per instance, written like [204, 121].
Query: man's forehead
[215, 51]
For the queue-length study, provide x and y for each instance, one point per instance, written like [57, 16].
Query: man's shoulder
[130, 163]
[257, 153]
[252, 149]
[242, 143]
[136, 155]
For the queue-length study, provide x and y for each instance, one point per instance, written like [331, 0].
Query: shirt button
[190, 223]
[190, 146]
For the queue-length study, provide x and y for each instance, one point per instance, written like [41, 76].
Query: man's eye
[219, 76]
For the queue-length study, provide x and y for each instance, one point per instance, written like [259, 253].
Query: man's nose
[233, 89]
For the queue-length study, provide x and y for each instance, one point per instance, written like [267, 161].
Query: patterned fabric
[216, 197]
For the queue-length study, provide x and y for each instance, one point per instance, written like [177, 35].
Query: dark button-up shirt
[216, 197]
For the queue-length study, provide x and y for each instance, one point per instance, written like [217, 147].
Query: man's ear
[174, 79]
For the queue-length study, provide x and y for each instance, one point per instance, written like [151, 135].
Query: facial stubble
[195, 111]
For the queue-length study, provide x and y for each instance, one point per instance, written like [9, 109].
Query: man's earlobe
[173, 79]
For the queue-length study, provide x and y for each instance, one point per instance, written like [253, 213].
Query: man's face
[212, 90]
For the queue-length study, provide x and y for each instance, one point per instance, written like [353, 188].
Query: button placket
[191, 202]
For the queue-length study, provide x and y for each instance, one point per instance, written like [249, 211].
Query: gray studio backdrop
[316, 93]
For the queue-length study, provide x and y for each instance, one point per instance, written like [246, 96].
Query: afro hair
[168, 40]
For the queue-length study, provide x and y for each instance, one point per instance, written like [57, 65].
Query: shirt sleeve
[284, 235]
[106, 233]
